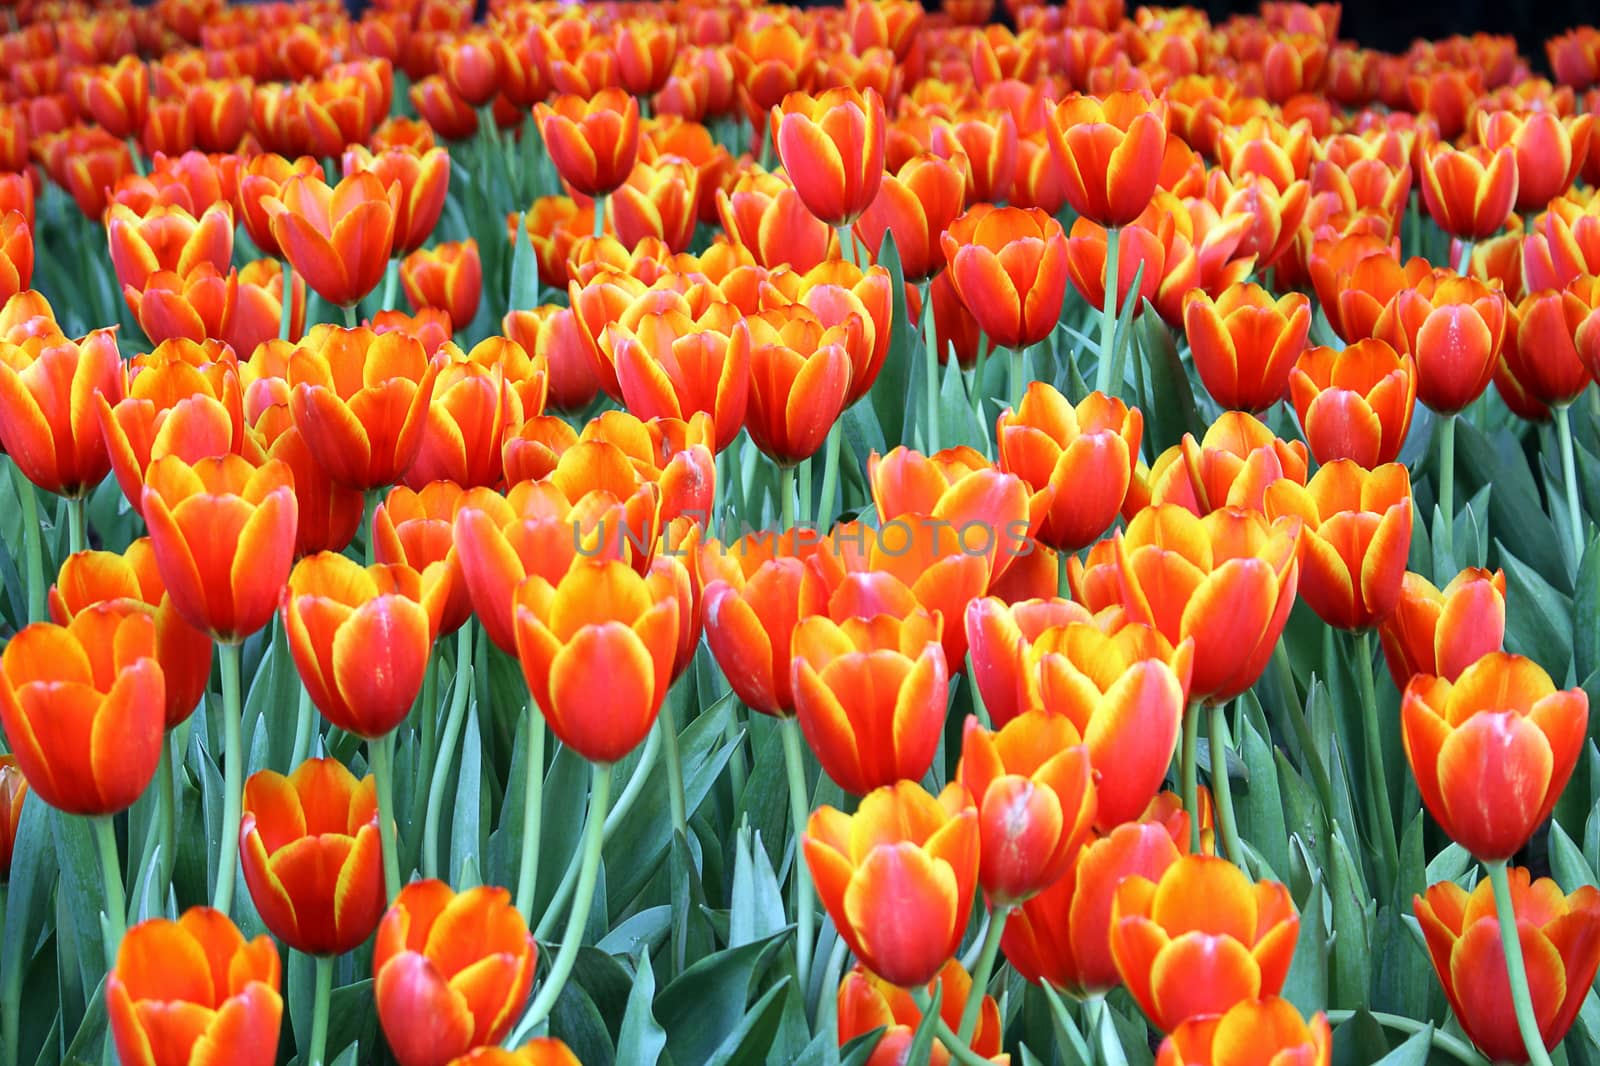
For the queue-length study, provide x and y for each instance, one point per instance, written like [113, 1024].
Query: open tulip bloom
[899, 534]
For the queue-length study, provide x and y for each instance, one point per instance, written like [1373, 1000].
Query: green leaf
[1515, 503]
[1451, 864]
[524, 294]
[466, 820]
[958, 415]
[922, 1041]
[641, 932]
[89, 1042]
[1567, 863]
[577, 1021]
[706, 1003]
[79, 893]
[891, 396]
[642, 1039]
[1170, 410]
[1307, 984]
[1538, 617]
[756, 908]
[1414, 1052]
[1586, 612]
[1352, 927]
[1261, 809]
[350, 1056]
[750, 1041]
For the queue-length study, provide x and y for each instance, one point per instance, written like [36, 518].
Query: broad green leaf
[524, 294]
[706, 1003]
[756, 908]
[466, 819]
[642, 1039]
[891, 397]
[1307, 984]
[1586, 612]
[1414, 1052]
[1538, 616]
[577, 1021]
[1567, 863]
[1261, 809]
[1352, 928]
[752, 1039]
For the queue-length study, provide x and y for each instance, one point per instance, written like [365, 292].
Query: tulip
[764, 213]
[916, 204]
[424, 178]
[448, 276]
[339, 238]
[999, 635]
[1181, 961]
[897, 877]
[1008, 266]
[542, 1051]
[1559, 937]
[866, 1002]
[593, 143]
[1245, 343]
[451, 971]
[1231, 466]
[1540, 348]
[1267, 1030]
[1500, 730]
[660, 199]
[414, 527]
[553, 332]
[1549, 151]
[1356, 535]
[311, 857]
[194, 992]
[253, 311]
[755, 595]
[16, 254]
[48, 421]
[770, 61]
[831, 145]
[82, 708]
[13, 792]
[1443, 633]
[645, 53]
[1469, 193]
[449, 115]
[471, 66]
[988, 141]
[668, 366]
[264, 177]
[599, 625]
[1109, 153]
[189, 307]
[800, 373]
[1453, 327]
[1355, 403]
[116, 96]
[219, 111]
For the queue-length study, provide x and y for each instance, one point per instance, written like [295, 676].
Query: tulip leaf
[1307, 984]
[756, 907]
[524, 294]
[1166, 396]
[1586, 612]
[349, 1056]
[751, 1042]
[1567, 863]
[89, 1042]
[1538, 617]
[578, 1021]
[561, 827]
[1352, 927]
[764, 804]
[1451, 864]
[642, 1039]
[858, 1051]
[1261, 809]
[891, 396]
[1413, 1052]
[466, 819]
[921, 1049]
[79, 893]
[706, 1002]
[1514, 505]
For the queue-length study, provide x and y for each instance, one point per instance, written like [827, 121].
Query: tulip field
[694, 533]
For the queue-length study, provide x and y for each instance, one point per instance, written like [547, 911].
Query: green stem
[1014, 373]
[532, 810]
[847, 245]
[958, 1049]
[321, 1000]
[1103, 1031]
[826, 511]
[447, 752]
[1516, 965]
[599, 217]
[1189, 773]
[380, 754]
[667, 724]
[166, 818]
[930, 357]
[1456, 1048]
[369, 523]
[77, 528]
[1569, 472]
[305, 725]
[572, 938]
[286, 311]
[351, 319]
[1222, 788]
[1108, 314]
[116, 902]
[803, 509]
[827, 1006]
[232, 777]
[982, 972]
[1447, 487]
[1389, 868]
[391, 286]
[1464, 263]
[794, 768]
[786, 497]
[136, 156]
[32, 543]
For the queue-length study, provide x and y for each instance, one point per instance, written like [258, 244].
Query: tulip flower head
[1009, 266]
[1354, 403]
[832, 147]
[1443, 633]
[866, 1002]
[1267, 1030]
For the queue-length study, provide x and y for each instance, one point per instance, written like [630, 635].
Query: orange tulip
[264, 177]
[252, 309]
[82, 707]
[1083, 455]
[223, 535]
[999, 635]
[800, 374]
[16, 254]
[756, 591]
[1109, 153]
[13, 793]
[1245, 343]
[1063, 935]
[832, 147]
[167, 238]
[553, 333]
[835, 291]
[764, 213]
[897, 877]
[660, 199]
[989, 143]
[1009, 266]
[1560, 943]
[1469, 193]
[451, 971]
[116, 96]
[1549, 151]
[870, 694]
[1354, 403]
[599, 625]
[190, 307]
[360, 398]
[414, 528]
[449, 276]
[668, 366]
[194, 992]
[471, 66]
[1501, 729]
[1540, 348]
[1182, 959]
[184, 653]
[1443, 633]
[645, 53]
[771, 60]
[219, 111]
[449, 116]
[866, 1002]
[310, 852]
[593, 142]
[48, 420]
[1268, 1030]
[1453, 327]
[1356, 534]
[542, 1051]
[424, 177]
[916, 204]
[1231, 466]
[339, 238]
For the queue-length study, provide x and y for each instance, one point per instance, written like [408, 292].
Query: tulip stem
[599, 216]
[667, 722]
[1222, 788]
[1447, 486]
[305, 722]
[351, 317]
[1389, 867]
[930, 356]
[982, 972]
[1516, 966]
[391, 286]
[286, 308]
[532, 811]
[572, 938]
[77, 536]
[447, 751]
[136, 155]
[830, 482]
[1464, 264]
[794, 768]
[380, 755]
[1569, 472]
[116, 902]
[232, 776]
[786, 497]
[32, 542]
[1108, 314]
[847, 245]
[166, 818]
[1189, 773]
[958, 1049]
[1456, 1048]
[1103, 1031]
[1014, 373]
[320, 1002]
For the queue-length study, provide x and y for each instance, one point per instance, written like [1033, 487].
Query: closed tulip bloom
[593, 143]
[1442, 633]
[800, 374]
[116, 96]
[599, 627]
[660, 199]
[1469, 193]
[1549, 150]
[360, 398]
[999, 636]
[16, 254]
[756, 592]
[916, 204]
[264, 177]
[1540, 347]
[1109, 152]
[13, 792]
[1083, 454]
[310, 852]
[554, 333]
[1035, 793]
[414, 527]
[223, 533]
[1009, 266]
[449, 276]
[1062, 936]
[764, 213]
[1501, 730]
[645, 53]
[219, 111]
[1245, 343]
[1231, 466]
[471, 66]
[1201, 939]
[189, 307]
[866, 1002]
[1559, 938]
[451, 971]
[82, 707]
[670, 366]
[1355, 538]
[1226, 580]
[1453, 327]
[1268, 1031]
[870, 694]
[831, 145]
[424, 177]
[252, 309]
[1354, 403]
[339, 238]
[194, 992]
[50, 427]
[360, 637]
[898, 876]
[541, 1051]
